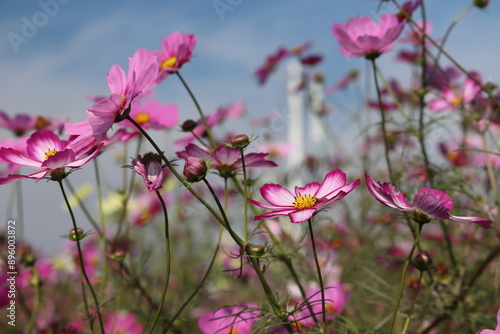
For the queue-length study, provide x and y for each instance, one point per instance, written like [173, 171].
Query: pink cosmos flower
[335, 301]
[151, 170]
[153, 115]
[145, 208]
[142, 72]
[428, 204]
[492, 331]
[226, 160]
[362, 37]
[122, 322]
[452, 99]
[270, 65]
[45, 151]
[176, 50]
[229, 320]
[19, 123]
[307, 201]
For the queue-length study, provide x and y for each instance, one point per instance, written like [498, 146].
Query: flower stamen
[304, 202]
[169, 62]
[142, 118]
[50, 153]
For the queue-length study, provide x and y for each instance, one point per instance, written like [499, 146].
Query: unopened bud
[422, 261]
[195, 169]
[481, 3]
[239, 141]
[188, 125]
[77, 234]
[118, 255]
[256, 250]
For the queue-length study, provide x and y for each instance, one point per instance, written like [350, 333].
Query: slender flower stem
[203, 118]
[80, 259]
[198, 287]
[226, 224]
[174, 171]
[36, 300]
[413, 302]
[245, 197]
[383, 121]
[167, 259]
[403, 277]
[320, 278]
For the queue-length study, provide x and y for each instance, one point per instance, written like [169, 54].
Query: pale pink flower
[307, 200]
[122, 322]
[152, 115]
[46, 151]
[142, 72]
[453, 99]
[176, 50]
[428, 204]
[362, 37]
[229, 320]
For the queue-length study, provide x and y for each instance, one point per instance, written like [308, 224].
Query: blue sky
[67, 58]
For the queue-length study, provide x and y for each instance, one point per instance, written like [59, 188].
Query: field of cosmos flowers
[400, 234]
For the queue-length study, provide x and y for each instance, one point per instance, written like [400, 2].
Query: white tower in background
[296, 119]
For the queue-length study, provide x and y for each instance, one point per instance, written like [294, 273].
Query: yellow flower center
[330, 308]
[142, 118]
[233, 331]
[169, 62]
[456, 101]
[304, 202]
[122, 102]
[50, 153]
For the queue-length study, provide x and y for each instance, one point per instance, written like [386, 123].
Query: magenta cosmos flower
[307, 201]
[335, 301]
[46, 151]
[492, 331]
[362, 37]
[176, 50]
[151, 170]
[142, 72]
[428, 204]
[153, 115]
[229, 320]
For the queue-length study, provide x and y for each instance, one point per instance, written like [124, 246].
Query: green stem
[245, 198]
[204, 278]
[320, 277]
[80, 259]
[383, 121]
[403, 277]
[203, 118]
[226, 224]
[167, 257]
[174, 171]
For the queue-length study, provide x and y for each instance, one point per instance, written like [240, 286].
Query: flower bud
[77, 234]
[195, 169]
[118, 255]
[422, 261]
[188, 125]
[481, 3]
[256, 250]
[239, 141]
